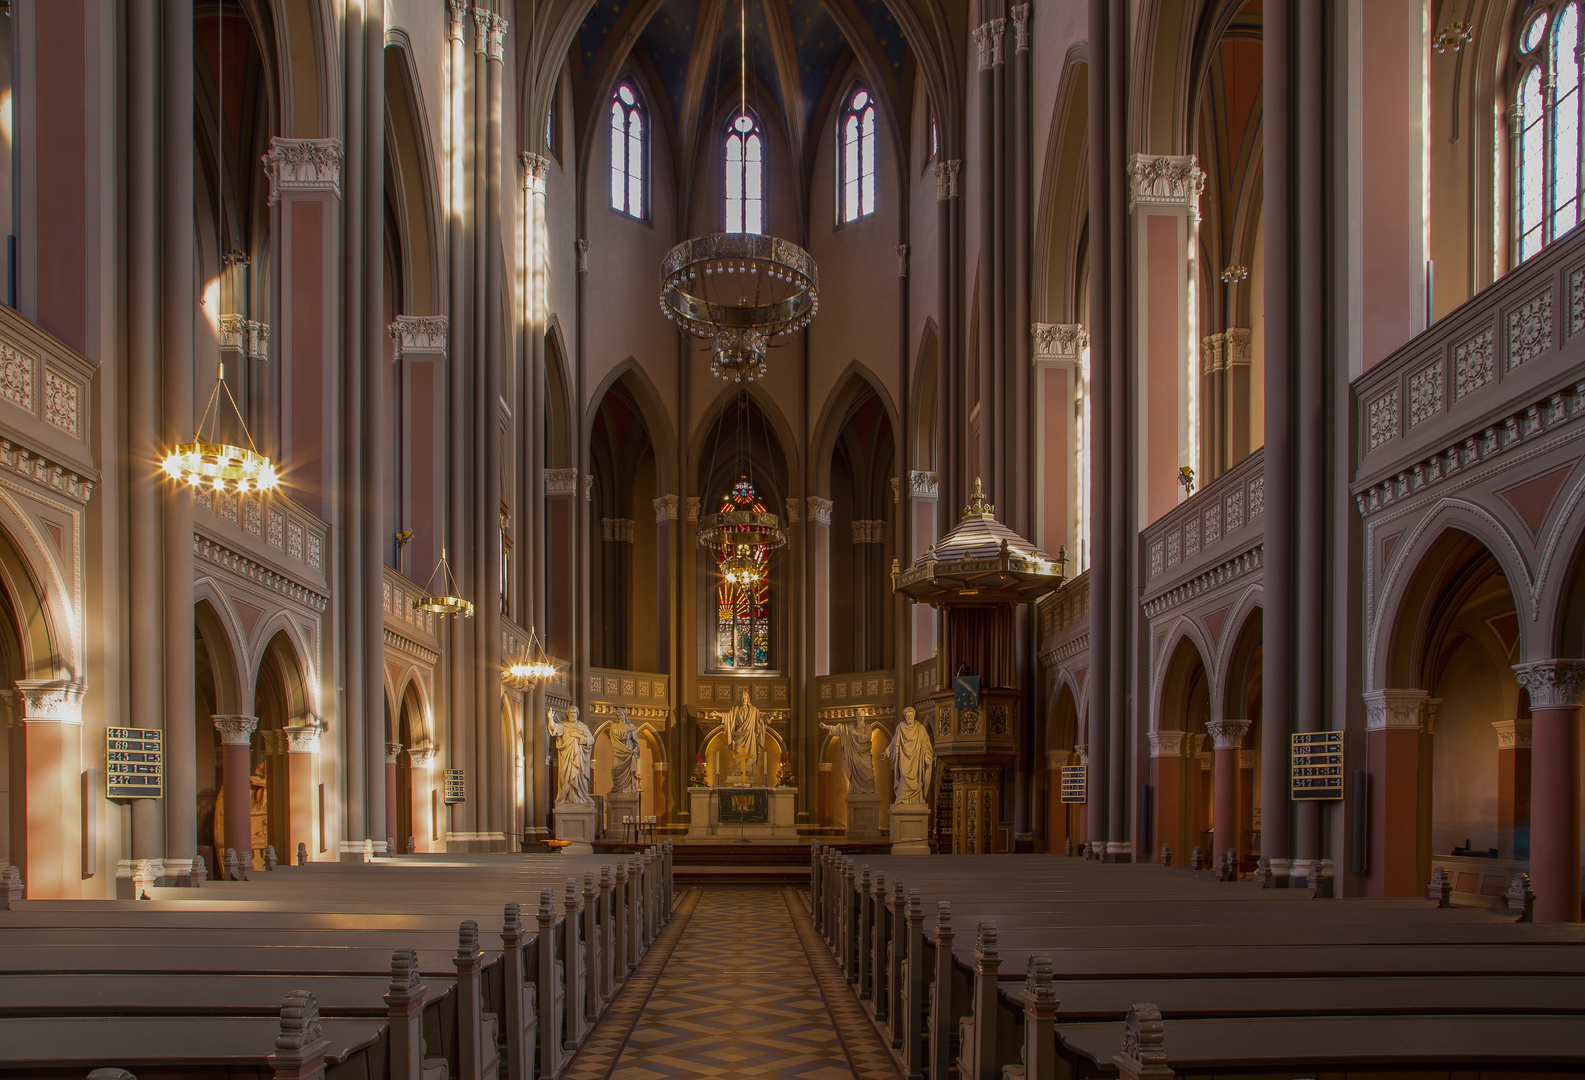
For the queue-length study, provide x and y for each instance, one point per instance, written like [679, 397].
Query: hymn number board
[1318, 765]
[134, 763]
[1075, 784]
[456, 786]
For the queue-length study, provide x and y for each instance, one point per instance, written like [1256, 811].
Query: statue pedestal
[617, 807]
[733, 813]
[575, 822]
[864, 816]
[910, 829]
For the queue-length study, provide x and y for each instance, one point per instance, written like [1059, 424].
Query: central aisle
[738, 985]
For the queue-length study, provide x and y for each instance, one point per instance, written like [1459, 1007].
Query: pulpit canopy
[980, 562]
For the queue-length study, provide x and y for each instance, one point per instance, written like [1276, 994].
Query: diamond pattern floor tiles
[738, 985]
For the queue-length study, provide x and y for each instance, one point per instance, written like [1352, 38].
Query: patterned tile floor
[739, 985]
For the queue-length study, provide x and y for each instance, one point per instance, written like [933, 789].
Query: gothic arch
[215, 622]
[641, 389]
[850, 388]
[411, 183]
[47, 616]
[922, 453]
[1183, 631]
[1063, 210]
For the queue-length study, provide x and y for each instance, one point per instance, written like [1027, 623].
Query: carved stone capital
[302, 740]
[561, 481]
[1058, 343]
[923, 485]
[794, 511]
[1512, 734]
[456, 11]
[1246, 759]
[1021, 27]
[481, 29]
[617, 530]
[247, 337]
[1394, 710]
[666, 509]
[947, 179]
[236, 730]
[391, 750]
[1240, 346]
[820, 510]
[303, 165]
[1228, 734]
[536, 168]
[51, 700]
[692, 507]
[869, 531]
[1165, 180]
[1553, 684]
[422, 755]
[982, 45]
[998, 38]
[497, 35]
[1083, 750]
[1167, 744]
[419, 334]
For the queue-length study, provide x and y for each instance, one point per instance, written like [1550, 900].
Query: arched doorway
[280, 702]
[1183, 709]
[1241, 699]
[215, 690]
[1062, 734]
[1443, 791]
[415, 816]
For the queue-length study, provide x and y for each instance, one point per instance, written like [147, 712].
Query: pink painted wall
[60, 168]
[1162, 349]
[1056, 451]
[423, 514]
[1393, 276]
[305, 450]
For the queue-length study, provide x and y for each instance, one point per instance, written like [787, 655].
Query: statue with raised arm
[574, 757]
[624, 755]
[912, 759]
[744, 727]
[853, 736]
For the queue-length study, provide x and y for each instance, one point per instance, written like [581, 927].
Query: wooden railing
[843, 695]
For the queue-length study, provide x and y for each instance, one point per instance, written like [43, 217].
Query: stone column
[1555, 687]
[1513, 788]
[302, 792]
[1229, 739]
[236, 737]
[949, 355]
[1235, 419]
[820, 527]
[391, 830]
[989, 316]
[1392, 748]
[1200, 778]
[421, 777]
[1246, 803]
[52, 724]
[924, 503]
[667, 538]
[1166, 776]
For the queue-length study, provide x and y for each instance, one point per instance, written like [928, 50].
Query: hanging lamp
[208, 460]
[534, 667]
[443, 603]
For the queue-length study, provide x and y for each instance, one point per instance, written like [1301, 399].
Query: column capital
[303, 165]
[561, 482]
[998, 37]
[982, 45]
[1021, 26]
[1228, 734]
[820, 510]
[1512, 734]
[498, 25]
[236, 730]
[1240, 346]
[481, 29]
[947, 179]
[1394, 710]
[419, 334]
[391, 750]
[302, 740]
[666, 508]
[1167, 744]
[1055, 760]
[1553, 684]
[691, 507]
[1165, 180]
[869, 531]
[456, 10]
[247, 337]
[1057, 343]
[794, 511]
[583, 255]
[1083, 750]
[420, 755]
[923, 485]
[57, 701]
[616, 530]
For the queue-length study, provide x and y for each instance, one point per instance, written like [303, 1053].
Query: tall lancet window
[627, 152]
[745, 176]
[742, 621]
[857, 161]
[1545, 120]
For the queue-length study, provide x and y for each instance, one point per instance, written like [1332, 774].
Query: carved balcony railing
[715, 693]
[1212, 537]
[414, 632]
[269, 534]
[842, 697]
[645, 695]
[46, 400]
[1493, 371]
[924, 676]
[1065, 622]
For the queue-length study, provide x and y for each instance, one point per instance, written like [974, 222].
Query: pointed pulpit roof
[980, 562]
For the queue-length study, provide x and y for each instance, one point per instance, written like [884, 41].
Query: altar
[742, 813]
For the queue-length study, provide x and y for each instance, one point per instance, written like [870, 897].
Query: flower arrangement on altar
[784, 773]
[697, 778]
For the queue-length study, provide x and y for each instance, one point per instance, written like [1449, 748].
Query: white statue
[744, 727]
[858, 766]
[624, 755]
[574, 757]
[912, 759]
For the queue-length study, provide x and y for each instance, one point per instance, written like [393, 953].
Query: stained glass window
[745, 182]
[857, 160]
[742, 621]
[627, 152]
[1546, 127]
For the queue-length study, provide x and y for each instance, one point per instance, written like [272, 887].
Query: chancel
[792, 538]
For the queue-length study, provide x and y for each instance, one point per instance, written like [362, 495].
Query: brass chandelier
[444, 603]
[533, 668]
[739, 291]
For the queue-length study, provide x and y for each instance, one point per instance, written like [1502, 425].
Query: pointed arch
[412, 184]
[850, 388]
[640, 389]
[922, 452]
[224, 647]
[1184, 647]
[558, 435]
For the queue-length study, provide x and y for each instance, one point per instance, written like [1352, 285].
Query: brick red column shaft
[1555, 687]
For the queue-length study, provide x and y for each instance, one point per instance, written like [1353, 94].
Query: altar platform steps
[741, 863]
